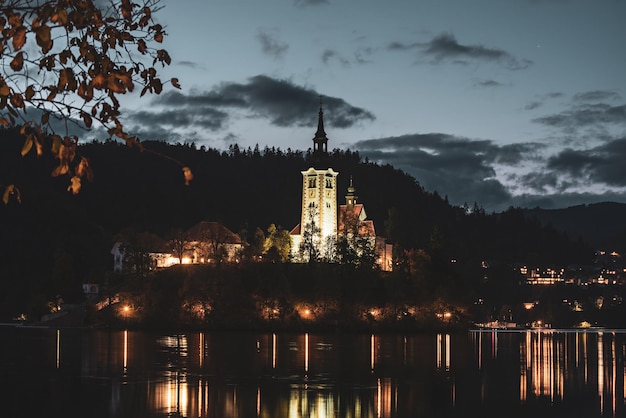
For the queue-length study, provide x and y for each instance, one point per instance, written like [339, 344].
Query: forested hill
[601, 224]
[54, 238]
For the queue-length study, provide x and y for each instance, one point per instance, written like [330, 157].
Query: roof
[295, 230]
[205, 231]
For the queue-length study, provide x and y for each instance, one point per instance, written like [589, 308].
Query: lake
[488, 373]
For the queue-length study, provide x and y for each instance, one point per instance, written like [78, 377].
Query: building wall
[319, 195]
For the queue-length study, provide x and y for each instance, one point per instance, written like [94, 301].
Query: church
[324, 223]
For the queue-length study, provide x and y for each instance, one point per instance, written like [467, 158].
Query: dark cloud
[203, 117]
[458, 167]
[445, 48]
[330, 55]
[489, 83]
[362, 55]
[306, 3]
[282, 102]
[270, 44]
[533, 105]
[499, 176]
[603, 164]
[286, 104]
[585, 114]
[596, 95]
[189, 64]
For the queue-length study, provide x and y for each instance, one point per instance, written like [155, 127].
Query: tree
[278, 242]
[68, 61]
[309, 246]
[179, 243]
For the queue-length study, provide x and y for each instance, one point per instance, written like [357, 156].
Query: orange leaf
[127, 10]
[30, 92]
[28, 144]
[11, 190]
[74, 186]
[19, 38]
[38, 147]
[4, 88]
[188, 175]
[60, 169]
[60, 17]
[18, 62]
[44, 40]
[175, 83]
[87, 119]
[17, 100]
[99, 81]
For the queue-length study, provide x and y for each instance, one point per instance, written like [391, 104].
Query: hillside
[603, 225]
[53, 240]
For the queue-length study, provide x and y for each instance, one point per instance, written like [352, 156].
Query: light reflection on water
[491, 372]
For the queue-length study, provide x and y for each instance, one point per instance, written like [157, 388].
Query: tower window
[329, 181]
[312, 181]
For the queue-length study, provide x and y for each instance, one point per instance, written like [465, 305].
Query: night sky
[503, 103]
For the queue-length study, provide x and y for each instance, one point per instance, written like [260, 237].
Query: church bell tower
[319, 193]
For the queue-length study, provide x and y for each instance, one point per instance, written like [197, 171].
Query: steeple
[320, 140]
[351, 197]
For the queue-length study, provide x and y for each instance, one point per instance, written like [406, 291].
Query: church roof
[296, 230]
[366, 227]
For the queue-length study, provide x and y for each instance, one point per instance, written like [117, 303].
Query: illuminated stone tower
[318, 220]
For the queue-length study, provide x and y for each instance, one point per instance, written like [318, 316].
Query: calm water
[78, 373]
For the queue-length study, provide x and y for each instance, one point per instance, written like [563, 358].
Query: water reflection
[534, 372]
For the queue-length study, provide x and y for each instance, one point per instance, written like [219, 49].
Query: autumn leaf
[74, 186]
[188, 175]
[17, 100]
[175, 83]
[30, 92]
[4, 88]
[19, 38]
[127, 10]
[28, 144]
[43, 38]
[18, 62]
[60, 17]
[60, 170]
[84, 169]
[11, 190]
[86, 118]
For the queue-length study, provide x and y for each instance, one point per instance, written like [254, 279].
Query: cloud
[307, 3]
[175, 114]
[445, 48]
[499, 176]
[286, 104]
[603, 164]
[270, 44]
[332, 55]
[461, 168]
[585, 114]
[596, 95]
[489, 83]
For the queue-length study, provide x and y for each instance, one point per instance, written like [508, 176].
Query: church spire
[351, 197]
[320, 140]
